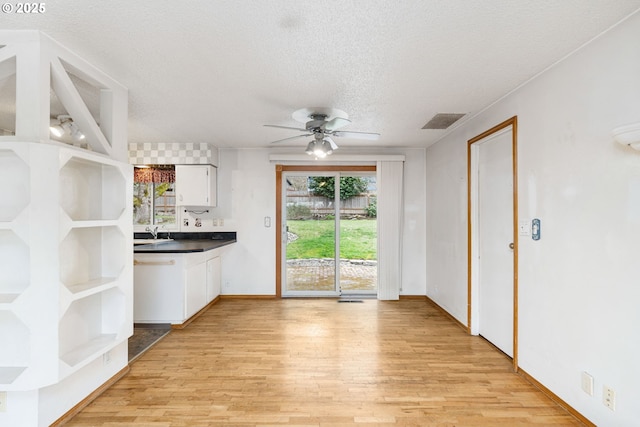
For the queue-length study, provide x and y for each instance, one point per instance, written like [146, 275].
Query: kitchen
[177, 272]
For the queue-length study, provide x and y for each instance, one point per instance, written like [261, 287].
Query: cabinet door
[213, 278]
[196, 185]
[195, 289]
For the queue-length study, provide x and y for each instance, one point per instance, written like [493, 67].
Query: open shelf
[91, 191]
[91, 257]
[8, 298]
[14, 265]
[15, 339]
[92, 223]
[9, 374]
[84, 351]
[8, 96]
[82, 290]
[14, 175]
[90, 326]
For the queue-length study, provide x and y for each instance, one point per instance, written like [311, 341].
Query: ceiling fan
[323, 123]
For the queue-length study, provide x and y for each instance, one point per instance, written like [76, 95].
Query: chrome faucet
[153, 231]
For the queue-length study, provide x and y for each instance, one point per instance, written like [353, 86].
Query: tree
[350, 186]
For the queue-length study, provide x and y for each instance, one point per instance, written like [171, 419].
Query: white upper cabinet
[196, 185]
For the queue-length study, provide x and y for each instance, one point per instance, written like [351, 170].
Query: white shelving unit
[92, 258]
[15, 338]
[88, 271]
[90, 326]
[14, 264]
[66, 234]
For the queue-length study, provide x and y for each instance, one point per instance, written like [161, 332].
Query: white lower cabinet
[171, 288]
[214, 279]
[195, 288]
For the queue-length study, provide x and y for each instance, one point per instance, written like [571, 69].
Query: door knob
[511, 245]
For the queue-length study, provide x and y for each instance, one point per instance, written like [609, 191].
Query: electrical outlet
[587, 383]
[3, 401]
[609, 398]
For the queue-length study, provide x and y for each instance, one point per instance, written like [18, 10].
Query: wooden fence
[302, 204]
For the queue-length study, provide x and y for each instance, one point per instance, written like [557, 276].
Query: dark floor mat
[144, 338]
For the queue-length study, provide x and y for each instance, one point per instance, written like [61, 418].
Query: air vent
[443, 120]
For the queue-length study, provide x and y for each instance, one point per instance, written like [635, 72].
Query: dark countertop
[194, 242]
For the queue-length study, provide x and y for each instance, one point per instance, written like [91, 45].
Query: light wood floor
[316, 362]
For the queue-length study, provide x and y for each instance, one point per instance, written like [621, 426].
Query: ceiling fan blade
[335, 123]
[291, 137]
[357, 135]
[333, 145]
[285, 127]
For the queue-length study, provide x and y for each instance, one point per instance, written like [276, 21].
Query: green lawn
[316, 239]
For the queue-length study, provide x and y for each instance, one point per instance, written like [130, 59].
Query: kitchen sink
[150, 241]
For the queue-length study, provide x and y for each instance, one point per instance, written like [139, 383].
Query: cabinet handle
[170, 262]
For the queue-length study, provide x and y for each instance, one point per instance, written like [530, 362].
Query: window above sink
[154, 200]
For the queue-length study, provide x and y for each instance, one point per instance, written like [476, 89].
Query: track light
[56, 130]
[65, 125]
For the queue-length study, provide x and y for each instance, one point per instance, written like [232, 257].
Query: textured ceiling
[216, 71]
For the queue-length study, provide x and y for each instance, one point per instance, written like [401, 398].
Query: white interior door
[495, 240]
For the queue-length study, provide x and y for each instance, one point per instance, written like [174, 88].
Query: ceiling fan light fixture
[327, 147]
[319, 151]
[322, 123]
[310, 148]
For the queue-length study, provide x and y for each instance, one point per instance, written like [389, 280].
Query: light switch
[525, 227]
[267, 221]
[587, 383]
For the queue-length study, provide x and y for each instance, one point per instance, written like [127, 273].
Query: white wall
[246, 194]
[579, 290]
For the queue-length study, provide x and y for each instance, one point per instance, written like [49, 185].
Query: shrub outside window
[154, 200]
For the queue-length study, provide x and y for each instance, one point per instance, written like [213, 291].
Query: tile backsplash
[173, 153]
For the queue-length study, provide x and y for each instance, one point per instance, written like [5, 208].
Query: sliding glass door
[329, 234]
[358, 270]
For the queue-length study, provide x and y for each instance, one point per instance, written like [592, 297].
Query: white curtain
[390, 214]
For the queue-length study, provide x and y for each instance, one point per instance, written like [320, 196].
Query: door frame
[300, 168]
[472, 234]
